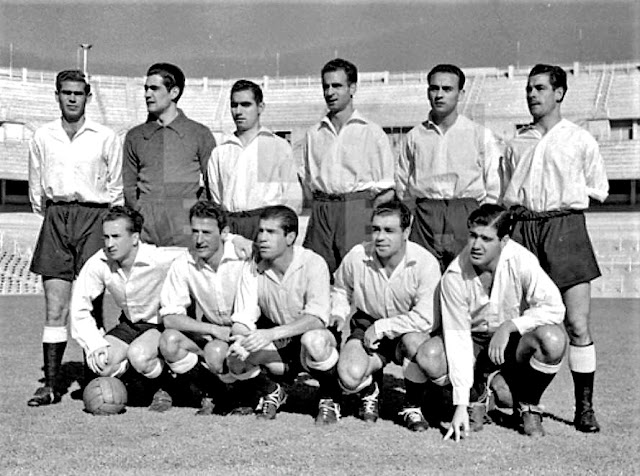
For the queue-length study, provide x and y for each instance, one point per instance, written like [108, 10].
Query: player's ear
[290, 238]
[174, 93]
[504, 240]
[261, 107]
[136, 238]
[353, 87]
[224, 233]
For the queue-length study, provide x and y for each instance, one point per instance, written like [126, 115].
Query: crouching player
[133, 272]
[208, 275]
[500, 311]
[391, 282]
[282, 311]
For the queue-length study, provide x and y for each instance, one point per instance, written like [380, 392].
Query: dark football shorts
[289, 350]
[245, 223]
[561, 242]
[338, 223]
[198, 339]
[128, 331]
[387, 349]
[71, 233]
[440, 226]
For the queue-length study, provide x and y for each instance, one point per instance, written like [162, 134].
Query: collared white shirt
[558, 170]
[304, 290]
[138, 295]
[259, 175]
[87, 168]
[213, 290]
[401, 303]
[521, 292]
[356, 158]
[462, 162]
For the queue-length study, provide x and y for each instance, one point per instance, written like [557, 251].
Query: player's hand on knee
[257, 340]
[459, 424]
[98, 360]
[499, 342]
[371, 339]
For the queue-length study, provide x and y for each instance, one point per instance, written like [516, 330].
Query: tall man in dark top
[164, 160]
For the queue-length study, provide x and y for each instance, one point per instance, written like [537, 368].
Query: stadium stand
[604, 98]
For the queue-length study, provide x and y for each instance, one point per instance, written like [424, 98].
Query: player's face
[272, 240]
[245, 111]
[388, 236]
[338, 93]
[157, 96]
[206, 237]
[542, 99]
[119, 242]
[72, 100]
[485, 246]
[444, 94]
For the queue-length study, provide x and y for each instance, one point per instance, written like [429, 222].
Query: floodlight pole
[85, 53]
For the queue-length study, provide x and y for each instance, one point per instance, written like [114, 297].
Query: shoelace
[370, 403]
[271, 399]
[411, 414]
[327, 406]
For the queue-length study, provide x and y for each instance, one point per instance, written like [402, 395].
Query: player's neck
[339, 119]
[167, 116]
[71, 128]
[445, 123]
[280, 264]
[126, 264]
[391, 263]
[545, 123]
[248, 135]
[215, 259]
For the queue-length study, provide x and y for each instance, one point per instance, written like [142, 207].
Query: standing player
[165, 159]
[133, 272]
[282, 310]
[551, 169]
[449, 165]
[75, 167]
[347, 163]
[252, 168]
[391, 282]
[208, 275]
[500, 310]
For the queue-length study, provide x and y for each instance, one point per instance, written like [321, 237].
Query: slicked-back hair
[394, 207]
[341, 64]
[246, 85]
[171, 75]
[451, 69]
[494, 216]
[287, 217]
[134, 218]
[74, 75]
[557, 76]
[209, 209]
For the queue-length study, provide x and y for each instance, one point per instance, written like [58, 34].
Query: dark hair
[394, 207]
[209, 209]
[340, 64]
[246, 85]
[448, 68]
[134, 218]
[288, 218]
[74, 75]
[172, 76]
[557, 76]
[494, 216]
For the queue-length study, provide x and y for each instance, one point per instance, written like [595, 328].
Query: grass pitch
[62, 439]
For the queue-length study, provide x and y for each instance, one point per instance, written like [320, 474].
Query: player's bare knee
[316, 344]
[431, 357]
[215, 354]
[352, 373]
[139, 355]
[411, 342]
[552, 343]
[169, 342]
[577, 327]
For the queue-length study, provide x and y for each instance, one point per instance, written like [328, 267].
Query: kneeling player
[133, 272]
[391, 282]
[208, 275]
[500, 310]
[281, 315]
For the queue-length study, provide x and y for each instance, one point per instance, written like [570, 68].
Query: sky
[231, 39]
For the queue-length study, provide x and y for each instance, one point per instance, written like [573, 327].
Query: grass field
[62, 439]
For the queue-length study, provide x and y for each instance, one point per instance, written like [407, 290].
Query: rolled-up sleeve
[246, 306]
[456, 324]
